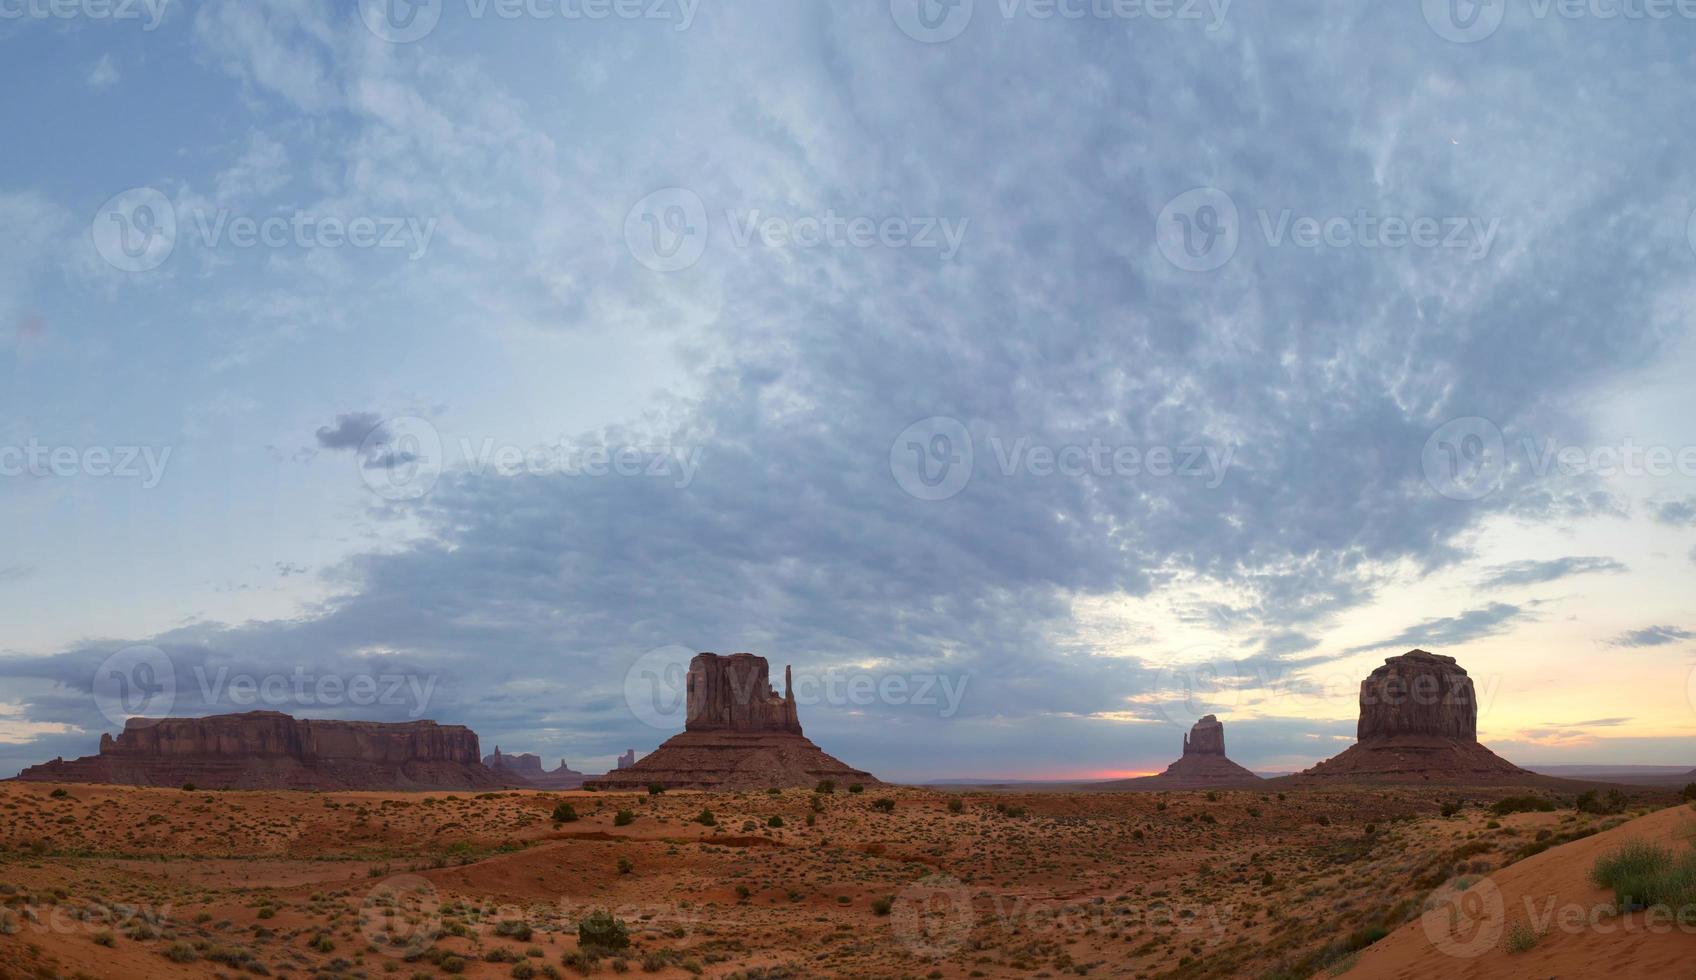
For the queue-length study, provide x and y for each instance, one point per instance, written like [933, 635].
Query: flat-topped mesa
[734, 694]
[271, 750]
[1418, 693]
[1205, 737]
[527, 767]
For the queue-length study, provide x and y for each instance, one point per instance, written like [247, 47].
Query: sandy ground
[1580, 935]
[123, 882]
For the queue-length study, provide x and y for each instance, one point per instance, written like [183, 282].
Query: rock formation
[271, 750]
[739, 734]
[628, 759]
[528, 769]
[1202, 766]
[1418, 723]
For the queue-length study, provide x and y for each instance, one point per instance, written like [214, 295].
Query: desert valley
[258, 845]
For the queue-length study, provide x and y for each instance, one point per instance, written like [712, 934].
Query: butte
[739, 734]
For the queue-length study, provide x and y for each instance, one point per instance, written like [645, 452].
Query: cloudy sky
[1032, 377]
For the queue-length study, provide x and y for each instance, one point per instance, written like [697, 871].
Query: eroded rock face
[740, 734]
[734, 694]
[268, 749]
[1418, 693]
[528, 767]
[1206, 737]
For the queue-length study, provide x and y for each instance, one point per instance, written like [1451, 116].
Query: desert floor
[111, 881]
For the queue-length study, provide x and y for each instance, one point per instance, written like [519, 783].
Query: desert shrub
[1590, 801]
[188, 787]
[623, 818]
[565, 813]
[523, 971]
[513, 929]
[881, 906]
[181, 953]
[856, 788]
[1323, 820]
[1644, 875]
[812, 818]
[1690, 792]
[955, 805]
[452, 964]
[1522, 804]
[1520, 937]
[825, 786]
[706, 819]
[817, 805]
[775, 821]
[624, 866]
[1450, 809]
[599, 930]
[884, 804]
[655, 789]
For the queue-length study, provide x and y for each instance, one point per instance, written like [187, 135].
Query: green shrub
[1644, 875]
[955, 805]
[513, 929]
[775, 821]
[1690, 792]
[624, 866]
[599, 930]
[655, 789]
[1590, 801]
[706, 819]
[565, 813]
[825, 786]
[856, 788]
[881, 906]
[1522, 804]
[623, 818]
[188, 787]
[1520, 937]
[181, 953]
[884, 803]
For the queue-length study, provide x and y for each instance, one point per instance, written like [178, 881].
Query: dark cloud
[1537, 572]
[1677, 513]
[1653, 636]
[350, 431]
[1449, 631]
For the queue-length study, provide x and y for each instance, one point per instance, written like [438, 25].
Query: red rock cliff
[1418, 693]
[734, 694]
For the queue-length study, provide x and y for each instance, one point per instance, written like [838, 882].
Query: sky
[1033, 377]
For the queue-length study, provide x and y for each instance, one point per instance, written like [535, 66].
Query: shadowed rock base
[733, 761]
[1202, 766]
[1418, 759]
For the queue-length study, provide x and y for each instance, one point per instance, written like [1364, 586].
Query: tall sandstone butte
[1418, 723]
[271, 750]
[1202, 765]
[739, 733]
